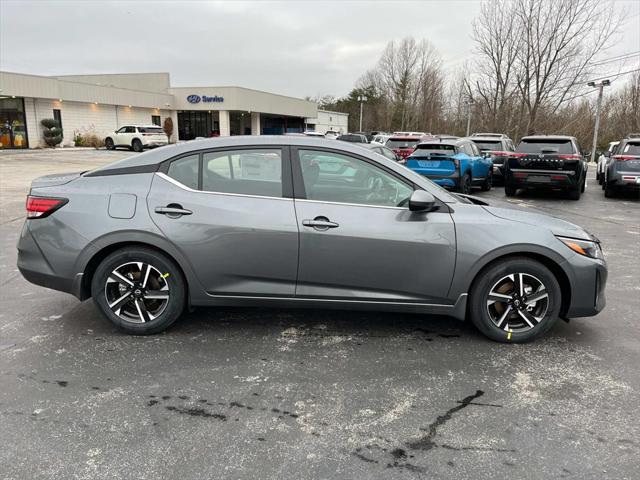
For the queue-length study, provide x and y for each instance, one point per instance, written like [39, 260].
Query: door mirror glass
[422, 201]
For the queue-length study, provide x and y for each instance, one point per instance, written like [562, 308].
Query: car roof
[547, 137]
[373, 145]
[158, 155]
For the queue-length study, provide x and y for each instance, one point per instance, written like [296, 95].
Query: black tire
[510, 191]
[479, 310]
[108, 143]
[465, 184]
[609, 191]
[170, 277]
[583, 187]
[137, 145]
[488, 182]
[574, 193]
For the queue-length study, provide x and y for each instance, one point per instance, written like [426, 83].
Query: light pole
[361, 99]
[600, 86]
[469, 103]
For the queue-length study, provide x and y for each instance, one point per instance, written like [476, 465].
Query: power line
[615, 75]
[618, 58]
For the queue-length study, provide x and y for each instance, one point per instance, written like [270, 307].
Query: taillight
[39, 207]
[626, 157]
[499, 153]
[572, 156]
[517, 155]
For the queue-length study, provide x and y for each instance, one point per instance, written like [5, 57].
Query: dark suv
[498, 146]
[623, 168]
[546, 162]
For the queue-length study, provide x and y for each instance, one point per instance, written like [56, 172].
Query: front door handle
[173, 211]
[320, 223]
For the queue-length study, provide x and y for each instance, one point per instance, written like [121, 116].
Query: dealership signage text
[204, 99]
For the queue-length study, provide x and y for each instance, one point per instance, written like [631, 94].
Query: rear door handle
[320, 223]
[173, 211]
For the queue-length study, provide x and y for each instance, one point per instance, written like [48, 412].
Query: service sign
[204, 99]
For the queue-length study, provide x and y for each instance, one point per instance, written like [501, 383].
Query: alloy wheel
[137, 292]
[517, 302]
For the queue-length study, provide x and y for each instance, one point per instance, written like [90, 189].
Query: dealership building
[100, 104]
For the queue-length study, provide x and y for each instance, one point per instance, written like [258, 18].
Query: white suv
[137, 137]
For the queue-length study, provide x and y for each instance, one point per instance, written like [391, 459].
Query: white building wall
[330, 121]
[78, 117]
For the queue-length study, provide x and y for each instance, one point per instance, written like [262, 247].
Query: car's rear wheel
[488, 182]
[509, 191]
[108, 143]
[574, 193]
[137, 145]
[516, 300]
[609, 190]
[139, 290]
[465, 184]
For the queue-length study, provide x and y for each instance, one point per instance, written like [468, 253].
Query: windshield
[485, 145]
[632, 149]
[157, 130]
[402, 143]
[545, 146]
[436, 148]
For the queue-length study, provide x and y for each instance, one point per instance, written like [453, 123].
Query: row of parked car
[619, 166]
[538, 162]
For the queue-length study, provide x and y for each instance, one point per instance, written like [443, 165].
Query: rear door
[231, 214]
[358, 239]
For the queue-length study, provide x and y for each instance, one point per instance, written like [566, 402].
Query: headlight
[583, 247]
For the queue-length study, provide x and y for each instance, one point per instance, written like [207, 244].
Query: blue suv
[456, 164]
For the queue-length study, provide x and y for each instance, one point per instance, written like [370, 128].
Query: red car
[403, 145]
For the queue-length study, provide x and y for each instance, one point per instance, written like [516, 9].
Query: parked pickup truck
[456, 164]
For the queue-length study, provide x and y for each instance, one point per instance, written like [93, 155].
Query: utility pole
[469, 103]
[600, 86]
[361, 99]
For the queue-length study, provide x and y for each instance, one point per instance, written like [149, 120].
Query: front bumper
[588, 282]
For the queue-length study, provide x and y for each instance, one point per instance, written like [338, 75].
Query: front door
[358, 239]
[226, 211]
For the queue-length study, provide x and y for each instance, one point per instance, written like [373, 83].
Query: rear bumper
[449, 181]
[625, 180]
[525, 178]
[36, 269]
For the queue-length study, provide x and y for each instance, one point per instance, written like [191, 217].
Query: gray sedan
[299, 222]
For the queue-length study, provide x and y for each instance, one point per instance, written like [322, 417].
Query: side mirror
[421, 201]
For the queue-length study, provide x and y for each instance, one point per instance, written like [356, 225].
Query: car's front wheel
[139, 290]
[515, 300]
[108, 143]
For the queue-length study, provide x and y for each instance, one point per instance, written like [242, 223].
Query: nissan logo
[193, 99]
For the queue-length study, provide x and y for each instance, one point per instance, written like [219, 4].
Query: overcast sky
[296, 48]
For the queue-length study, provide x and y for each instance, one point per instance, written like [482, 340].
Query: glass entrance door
[194, 124]
[13, 126]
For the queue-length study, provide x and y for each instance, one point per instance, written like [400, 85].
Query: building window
[13, 127]
[155, 119]
[57, 116]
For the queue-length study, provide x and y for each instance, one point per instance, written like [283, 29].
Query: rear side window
[248, 172]
[185, 171]
[545, 146]
[157, 130]
[632, 148]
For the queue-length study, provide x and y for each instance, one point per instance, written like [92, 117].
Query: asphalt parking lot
[252, 393]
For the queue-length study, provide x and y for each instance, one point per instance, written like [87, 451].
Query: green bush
[52, 132]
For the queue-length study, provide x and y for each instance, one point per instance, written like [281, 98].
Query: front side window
[185, 170]
[248, 172]
[129, 129]
[332, 177]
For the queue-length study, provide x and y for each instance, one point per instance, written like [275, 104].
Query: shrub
[52, 132]
[168, 127]
[88, 138]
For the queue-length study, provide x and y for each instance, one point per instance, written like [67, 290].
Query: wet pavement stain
[196, 412]
[427, 442]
